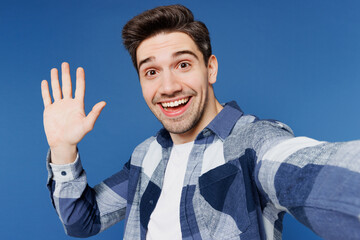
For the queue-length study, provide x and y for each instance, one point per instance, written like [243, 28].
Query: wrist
[64, 154]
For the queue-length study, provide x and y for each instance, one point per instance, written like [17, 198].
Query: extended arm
[316, 182]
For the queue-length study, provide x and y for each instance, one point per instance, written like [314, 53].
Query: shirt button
[151, 202]
[63, 173]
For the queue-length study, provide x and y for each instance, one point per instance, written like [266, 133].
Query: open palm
[65, 121]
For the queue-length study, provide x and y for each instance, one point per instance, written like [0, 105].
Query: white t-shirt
[165, 219]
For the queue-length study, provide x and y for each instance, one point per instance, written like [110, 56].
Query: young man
[211, 172]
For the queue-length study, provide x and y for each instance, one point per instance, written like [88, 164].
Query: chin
[179, 127]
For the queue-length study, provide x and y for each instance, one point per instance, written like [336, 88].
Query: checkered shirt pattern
[242, 176]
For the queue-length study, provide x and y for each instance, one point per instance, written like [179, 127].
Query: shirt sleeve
[86, 211]
[316, 182]
[66, 172]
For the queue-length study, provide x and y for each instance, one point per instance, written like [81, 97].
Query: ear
[212, 69]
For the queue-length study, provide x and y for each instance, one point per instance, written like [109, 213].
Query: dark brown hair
[164, 19]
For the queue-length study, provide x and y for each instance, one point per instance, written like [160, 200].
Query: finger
[80, 84]
[66, 80]
[45, 93]
[93, 115]
[55, 85]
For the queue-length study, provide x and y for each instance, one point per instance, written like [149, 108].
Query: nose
[170, 84]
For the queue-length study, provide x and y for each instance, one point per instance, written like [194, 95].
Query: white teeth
[175, 103]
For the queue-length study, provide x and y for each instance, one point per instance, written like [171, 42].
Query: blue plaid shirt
[243, 174]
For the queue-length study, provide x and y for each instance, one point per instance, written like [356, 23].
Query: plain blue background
[295, 61]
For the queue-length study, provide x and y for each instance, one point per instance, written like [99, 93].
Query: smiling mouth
[175, 105]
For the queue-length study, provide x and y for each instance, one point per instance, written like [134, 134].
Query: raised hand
[65, 121]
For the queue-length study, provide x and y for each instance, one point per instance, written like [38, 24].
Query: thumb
[93, 115]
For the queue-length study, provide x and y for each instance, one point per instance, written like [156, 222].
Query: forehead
[164, 44]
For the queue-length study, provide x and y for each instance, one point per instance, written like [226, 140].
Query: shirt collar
[221, 125]
[163, 138]
[224, 122]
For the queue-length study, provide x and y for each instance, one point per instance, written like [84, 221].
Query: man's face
[174, 80]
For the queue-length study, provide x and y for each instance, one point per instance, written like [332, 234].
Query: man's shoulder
[249, 129]
[250, 124]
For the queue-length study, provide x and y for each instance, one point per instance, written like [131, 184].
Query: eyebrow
[145, 61]
[174, 55]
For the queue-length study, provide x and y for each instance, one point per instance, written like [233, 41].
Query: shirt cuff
[65, 172]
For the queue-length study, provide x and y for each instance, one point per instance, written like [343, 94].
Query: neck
[209, 114]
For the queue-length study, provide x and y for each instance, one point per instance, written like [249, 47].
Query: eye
[150, 73]
[183, 65]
